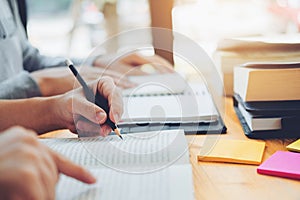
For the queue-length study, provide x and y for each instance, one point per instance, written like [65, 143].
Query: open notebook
[150, 165]
[168, 101]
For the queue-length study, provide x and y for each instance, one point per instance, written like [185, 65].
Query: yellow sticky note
[234, 151]
[295, 146]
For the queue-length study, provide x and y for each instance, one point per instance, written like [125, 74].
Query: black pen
[99, 100]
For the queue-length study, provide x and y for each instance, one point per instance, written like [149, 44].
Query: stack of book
[233, 52]
[267, 99]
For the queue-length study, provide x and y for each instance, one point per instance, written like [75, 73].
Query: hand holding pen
[107, 106]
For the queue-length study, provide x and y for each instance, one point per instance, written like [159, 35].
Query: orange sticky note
[234, 151]
[295, 146]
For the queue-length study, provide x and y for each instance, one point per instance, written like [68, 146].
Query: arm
[33, 113]
[70, 110]
[161, 17]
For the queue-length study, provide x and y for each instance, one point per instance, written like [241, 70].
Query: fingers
[160, 64]
[50, 170]
[93, 73]
[159, 60]
[107, 88]
[75, 106]
[31, 168]
[163, 68]
[86, 128]
[135, 60]
[119, 79]
[123, 82]
[89, 110]
[32, 190]
[48, 175]
[71, 169]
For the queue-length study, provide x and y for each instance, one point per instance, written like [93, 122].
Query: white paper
[137, 153]
[152, 165]
[172, 183]
[195, 105]
[170, 83]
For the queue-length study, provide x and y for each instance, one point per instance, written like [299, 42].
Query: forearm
[38, 114]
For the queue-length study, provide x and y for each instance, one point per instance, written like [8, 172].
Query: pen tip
[118, 133]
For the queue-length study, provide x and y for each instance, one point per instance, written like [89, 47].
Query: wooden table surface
[232, 181]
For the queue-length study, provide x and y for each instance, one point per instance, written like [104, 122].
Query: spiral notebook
[169, 102]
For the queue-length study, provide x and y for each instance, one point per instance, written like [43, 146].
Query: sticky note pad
[283, 164]
[295, 146]
[234, 151]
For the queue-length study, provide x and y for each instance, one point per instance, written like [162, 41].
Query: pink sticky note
[283, 164]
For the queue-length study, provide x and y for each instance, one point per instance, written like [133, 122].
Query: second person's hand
[55, 81]
[131, 64]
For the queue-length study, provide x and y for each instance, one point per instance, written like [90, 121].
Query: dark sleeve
[33, 60]
[19, 87]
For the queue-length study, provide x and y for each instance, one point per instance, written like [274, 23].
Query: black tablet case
[217, 127]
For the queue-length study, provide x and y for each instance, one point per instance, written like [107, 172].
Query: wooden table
[232, 181]
[236, 181]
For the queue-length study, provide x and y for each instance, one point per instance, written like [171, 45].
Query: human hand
[80, 116]
[29, 169]
[54, 81]
[132, 64]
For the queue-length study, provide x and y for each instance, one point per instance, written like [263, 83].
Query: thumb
[89, 110]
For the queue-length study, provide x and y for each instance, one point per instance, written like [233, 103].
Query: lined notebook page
[152, 165]
[172, 183]
[138, 152]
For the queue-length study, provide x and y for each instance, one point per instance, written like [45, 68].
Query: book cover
[267, 81]
[275, 42]
[232, 52]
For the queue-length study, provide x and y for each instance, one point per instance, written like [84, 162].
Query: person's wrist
[43, 83]
[97, 62]
[55, 114]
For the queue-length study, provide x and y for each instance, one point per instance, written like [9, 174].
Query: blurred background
[74, 27]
